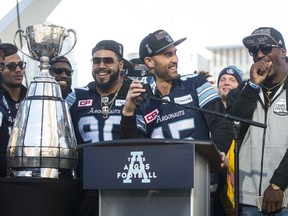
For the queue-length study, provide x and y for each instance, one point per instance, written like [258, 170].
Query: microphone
[145, 95]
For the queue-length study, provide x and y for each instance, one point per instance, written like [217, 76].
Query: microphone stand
[236, 127]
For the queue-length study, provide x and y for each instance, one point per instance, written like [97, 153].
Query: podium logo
[137, 168]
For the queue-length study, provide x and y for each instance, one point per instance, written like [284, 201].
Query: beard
[13, 85]
[107, 85]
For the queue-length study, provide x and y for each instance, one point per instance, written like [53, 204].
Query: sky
[205, 23]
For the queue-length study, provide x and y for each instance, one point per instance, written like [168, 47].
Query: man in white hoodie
[263, 155]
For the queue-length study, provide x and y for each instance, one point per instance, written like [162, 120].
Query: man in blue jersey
[155, 119]
[160, 120]
[96, 108]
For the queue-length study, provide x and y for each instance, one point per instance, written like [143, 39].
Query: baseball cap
[60, 59]
[264, 35]
[138, 69]
[156, 42]
[231, 70]
[113, 46]
[9, 49]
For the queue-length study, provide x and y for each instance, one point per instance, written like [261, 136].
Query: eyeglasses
[264, 48]
[106, 60]
[12, 65]
[60, 70]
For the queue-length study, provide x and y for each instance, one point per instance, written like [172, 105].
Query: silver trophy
[42, 142]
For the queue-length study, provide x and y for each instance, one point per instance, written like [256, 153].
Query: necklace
[106, 105]
[269, 91]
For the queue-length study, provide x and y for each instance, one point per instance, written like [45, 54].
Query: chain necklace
[269, 91]
[106, 105]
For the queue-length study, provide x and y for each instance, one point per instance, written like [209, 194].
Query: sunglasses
[264, 48]
[60, 70]
[12, 65]
[106, 60]
[2, 66]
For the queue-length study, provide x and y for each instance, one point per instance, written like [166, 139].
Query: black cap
[9, 49]
[60, 59]
[139, 69]
[264, 35]
[156, 42]
[113, 46]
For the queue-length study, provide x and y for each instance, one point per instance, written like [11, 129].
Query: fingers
[272, 200]
[259, 71]
[135, 91]
[224, 160]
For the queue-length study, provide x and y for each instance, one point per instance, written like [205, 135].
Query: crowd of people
[115, 106]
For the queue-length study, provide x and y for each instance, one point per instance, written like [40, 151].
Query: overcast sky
[205, 23]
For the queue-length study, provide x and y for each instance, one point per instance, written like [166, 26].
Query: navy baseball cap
[264, 35]
[156, 42]
[60, 59]
[139, 69]
[9, 49]
[112, 46]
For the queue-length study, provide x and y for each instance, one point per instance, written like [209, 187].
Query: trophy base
[42, 173]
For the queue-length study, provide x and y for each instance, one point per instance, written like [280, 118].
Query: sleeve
[70, 99]
[128, 128]
[241, 102]
[220, 127]
[280, 176]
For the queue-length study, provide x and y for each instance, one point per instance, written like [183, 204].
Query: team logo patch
[184, 99]
[151, 116]
[280, 108]
[85, 103]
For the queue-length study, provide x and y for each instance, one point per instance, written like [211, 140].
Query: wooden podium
[151, 176]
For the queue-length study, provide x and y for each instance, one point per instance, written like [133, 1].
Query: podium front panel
[161, 202]
[139, 167]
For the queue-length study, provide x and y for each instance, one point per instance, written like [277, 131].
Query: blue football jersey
[89, 123]
[164, 120]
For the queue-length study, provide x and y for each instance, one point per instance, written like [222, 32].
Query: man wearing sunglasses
[263, 156]
[96, 108]
[12, 72]
[61, 69]
[4, 133]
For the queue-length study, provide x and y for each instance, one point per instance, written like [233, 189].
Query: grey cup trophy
[42, 142]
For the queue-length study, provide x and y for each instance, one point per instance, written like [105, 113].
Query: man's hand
[207, 75]
[272, 200]
[135, 91]
[224, 160]
[259, 71]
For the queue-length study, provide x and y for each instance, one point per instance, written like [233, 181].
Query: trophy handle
[21, 34]
[75, 40]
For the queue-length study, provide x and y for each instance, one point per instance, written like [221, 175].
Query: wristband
[253, 85]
